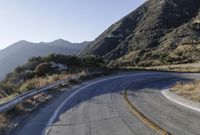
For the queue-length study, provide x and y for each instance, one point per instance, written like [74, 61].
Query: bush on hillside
[8, 87]
[33, 62]
[38, 67]
[67, 60]
[93, 61]
[44, 69]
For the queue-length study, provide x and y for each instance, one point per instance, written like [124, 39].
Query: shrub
[43, 69]
[8, 87]
[20, 69]
[67, 60]
[93, 61]
[27, 75]
[33, 62]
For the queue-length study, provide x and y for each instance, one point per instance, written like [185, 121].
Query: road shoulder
[195, 106]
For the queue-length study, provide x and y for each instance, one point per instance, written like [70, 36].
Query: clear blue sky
[47, 20]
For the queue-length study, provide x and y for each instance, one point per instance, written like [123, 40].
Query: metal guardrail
[13, 102]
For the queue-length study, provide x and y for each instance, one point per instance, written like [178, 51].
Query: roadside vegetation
[147, 58]
[187, 67]
[188, 90]
[12, 118]
[39, 72]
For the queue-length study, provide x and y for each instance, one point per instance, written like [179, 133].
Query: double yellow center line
[143, 118]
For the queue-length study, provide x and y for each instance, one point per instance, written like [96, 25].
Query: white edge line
[57, 111]
[163, 92]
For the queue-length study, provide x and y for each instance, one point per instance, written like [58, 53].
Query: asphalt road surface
[100, 109]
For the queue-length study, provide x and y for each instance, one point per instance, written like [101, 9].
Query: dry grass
[193, 68]
[35, 83]
[44, 81]
[5, 99]
[12, 118]
[189, 90]
[41, 82]
[8, 120]
[4, 124]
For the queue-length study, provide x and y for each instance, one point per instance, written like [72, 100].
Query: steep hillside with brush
[159, 32]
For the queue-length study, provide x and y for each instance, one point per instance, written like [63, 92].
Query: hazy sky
[47, 20]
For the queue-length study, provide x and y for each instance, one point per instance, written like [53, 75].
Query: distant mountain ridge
[19, 52]
[159, 32]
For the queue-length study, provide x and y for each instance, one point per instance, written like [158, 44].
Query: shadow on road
[132, 83]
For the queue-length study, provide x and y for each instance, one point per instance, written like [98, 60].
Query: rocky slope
[159, 32]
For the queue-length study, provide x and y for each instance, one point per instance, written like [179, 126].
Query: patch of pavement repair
[195, 106]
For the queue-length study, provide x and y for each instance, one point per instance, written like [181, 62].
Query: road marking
[47, 128]
[183, 102]
[143, 118]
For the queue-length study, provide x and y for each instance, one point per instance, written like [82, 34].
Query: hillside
[52, 65]
[18, 53]
[159, 32]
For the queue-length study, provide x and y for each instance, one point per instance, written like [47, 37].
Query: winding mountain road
[99, 107]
